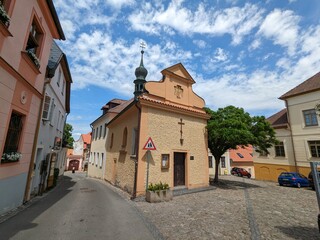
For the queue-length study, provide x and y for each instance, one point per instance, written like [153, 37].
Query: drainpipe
[291, 136]
[134, 193]
[35, 143]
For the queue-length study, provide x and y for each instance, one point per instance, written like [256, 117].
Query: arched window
[111, 141]
[124, 138]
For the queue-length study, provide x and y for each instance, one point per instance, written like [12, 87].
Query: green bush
[158, 186]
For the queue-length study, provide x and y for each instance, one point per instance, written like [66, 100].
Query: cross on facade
[181, 124]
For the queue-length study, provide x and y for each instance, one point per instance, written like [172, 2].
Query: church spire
[141, 73]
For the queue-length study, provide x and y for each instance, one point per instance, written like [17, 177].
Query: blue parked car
[293, 179]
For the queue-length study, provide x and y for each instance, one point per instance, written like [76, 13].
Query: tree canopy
[231, 127]
[67, 136]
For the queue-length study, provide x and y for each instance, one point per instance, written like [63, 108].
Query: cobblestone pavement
[238, 208]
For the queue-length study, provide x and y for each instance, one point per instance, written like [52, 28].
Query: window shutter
[46, 107]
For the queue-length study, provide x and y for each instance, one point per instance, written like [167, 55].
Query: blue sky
[241, 53]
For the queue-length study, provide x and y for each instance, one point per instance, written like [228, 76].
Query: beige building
[167, 117]
[97, 160]
[297, 129]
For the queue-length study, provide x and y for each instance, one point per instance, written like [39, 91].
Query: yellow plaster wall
[162, 126]
[119, 162]
[272, 171]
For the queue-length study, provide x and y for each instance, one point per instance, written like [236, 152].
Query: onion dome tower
[141, 73]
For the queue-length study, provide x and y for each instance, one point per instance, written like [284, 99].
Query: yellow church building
[159, 135]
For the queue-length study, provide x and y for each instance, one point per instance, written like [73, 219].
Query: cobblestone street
[239, 208]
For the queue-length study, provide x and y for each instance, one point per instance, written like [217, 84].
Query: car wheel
[239, 174]
[249, 176]
[298, 185]
[280, 184]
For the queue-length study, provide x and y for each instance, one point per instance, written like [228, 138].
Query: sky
[241, 53]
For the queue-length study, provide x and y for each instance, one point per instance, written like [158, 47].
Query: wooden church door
[179, 168]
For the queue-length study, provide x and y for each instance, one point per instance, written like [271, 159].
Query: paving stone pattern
[237, 208]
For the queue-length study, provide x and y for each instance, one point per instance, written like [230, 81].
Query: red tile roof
[86, 137]
[235, 154]
[310, 85]
[191, 109]
[279, 119]
[120, 107]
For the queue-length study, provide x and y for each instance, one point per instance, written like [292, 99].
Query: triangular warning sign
[149, 145]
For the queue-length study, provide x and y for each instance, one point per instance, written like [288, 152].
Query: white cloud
[200, 43]
[113, 63]
[236, 21]
[220, 55]
[119, 3]
[281, 27]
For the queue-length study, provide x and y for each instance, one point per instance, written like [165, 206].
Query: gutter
[134, 193]
[291, 136]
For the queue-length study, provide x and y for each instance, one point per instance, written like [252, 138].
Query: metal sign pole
[148, 160]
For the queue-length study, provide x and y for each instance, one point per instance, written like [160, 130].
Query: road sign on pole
[149, 145]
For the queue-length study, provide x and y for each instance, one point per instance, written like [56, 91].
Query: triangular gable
[179, 70]
[176, 88]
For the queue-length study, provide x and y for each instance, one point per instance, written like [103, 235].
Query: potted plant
[11, 157]
[4, 18]
[158, 192]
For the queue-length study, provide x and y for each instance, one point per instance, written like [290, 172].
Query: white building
[50, 153]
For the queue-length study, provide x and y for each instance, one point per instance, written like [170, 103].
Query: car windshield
[286, 174]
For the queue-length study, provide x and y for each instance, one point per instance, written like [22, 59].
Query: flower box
[10, 157]
[4, 18]
[158, 193]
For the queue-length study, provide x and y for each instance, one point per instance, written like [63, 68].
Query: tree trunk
[217, 162]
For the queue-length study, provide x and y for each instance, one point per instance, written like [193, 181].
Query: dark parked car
[310, 178]
[240, 172]
[293, 179]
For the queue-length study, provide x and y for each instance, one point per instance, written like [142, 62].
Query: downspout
[291, 136]
[35, 144]
[134, 193]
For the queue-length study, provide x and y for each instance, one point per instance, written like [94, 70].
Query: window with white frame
[310, 117]
[90, 158]
[51, 113]
[46, 107]
[63, 86]
[279, 150]
[94, 158]
[314, 148]
[102, 158]
[97, 159]
[100, 133]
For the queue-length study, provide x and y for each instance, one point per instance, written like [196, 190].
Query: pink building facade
[26, 35]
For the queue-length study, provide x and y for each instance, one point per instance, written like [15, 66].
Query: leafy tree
[231, 127]
[67, 136]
